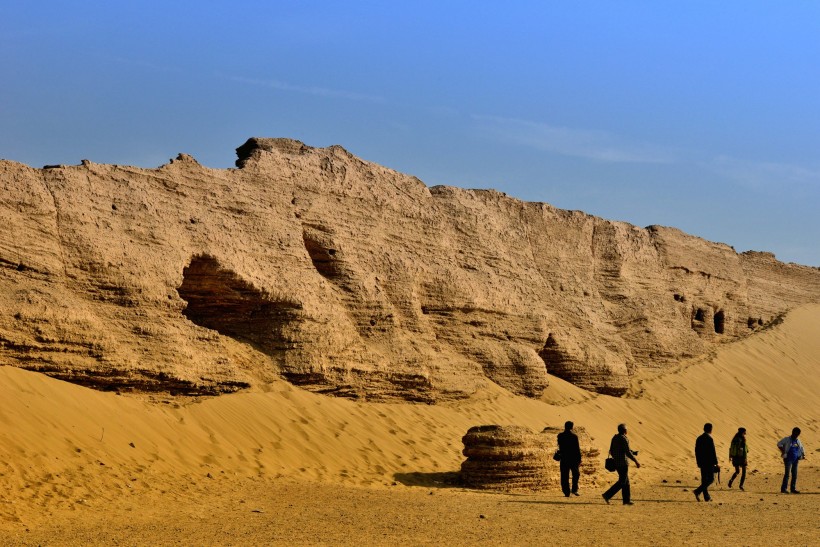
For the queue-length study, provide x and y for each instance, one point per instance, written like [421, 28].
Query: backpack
[738, 448]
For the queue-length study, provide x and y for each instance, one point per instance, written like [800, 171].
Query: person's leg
[699, 490]
[742, 476]
[788, 468]
[576, 472]
[612, 490]
[617, 486]
[794, 476]
[565, 479]
[626, 492]
[707, 477]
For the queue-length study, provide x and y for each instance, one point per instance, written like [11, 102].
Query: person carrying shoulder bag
[621, 453]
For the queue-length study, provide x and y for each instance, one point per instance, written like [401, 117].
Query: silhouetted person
[792, 451]
[620, 451]
[738, 453]
[706, 458]
[570, 458]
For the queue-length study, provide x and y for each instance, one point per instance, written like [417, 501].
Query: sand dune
[73, 458]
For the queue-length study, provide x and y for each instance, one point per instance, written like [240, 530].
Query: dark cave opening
[720, 320]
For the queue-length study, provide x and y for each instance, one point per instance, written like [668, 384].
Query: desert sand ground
[285, 466]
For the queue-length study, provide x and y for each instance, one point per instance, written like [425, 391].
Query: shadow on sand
[595, 500]
[446, 479]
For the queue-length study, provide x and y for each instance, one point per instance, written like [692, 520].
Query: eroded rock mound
[351, 279]
[507, 458]
[511, 458]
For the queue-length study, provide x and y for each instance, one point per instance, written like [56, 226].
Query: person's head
[568, 426]
[741, 431]
[795, 432]
[707, 428]
[622, 429]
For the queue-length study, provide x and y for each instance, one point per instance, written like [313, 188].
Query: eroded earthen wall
[348, 278]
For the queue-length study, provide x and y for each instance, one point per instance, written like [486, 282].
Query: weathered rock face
[349, 278]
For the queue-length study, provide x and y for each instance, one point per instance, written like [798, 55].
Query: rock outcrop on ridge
[348, 278]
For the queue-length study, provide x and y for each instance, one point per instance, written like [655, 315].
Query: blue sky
[700, 115]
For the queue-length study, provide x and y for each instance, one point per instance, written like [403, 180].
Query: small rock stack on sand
[507, 458]
[515, 458]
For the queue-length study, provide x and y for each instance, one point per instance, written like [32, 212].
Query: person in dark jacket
[706, 458]
[620, 451]
[738, 453]
[570, 459]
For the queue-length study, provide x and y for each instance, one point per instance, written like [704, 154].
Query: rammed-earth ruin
[351, 279]
[513, 458]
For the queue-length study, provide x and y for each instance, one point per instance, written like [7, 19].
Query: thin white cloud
[761, 175]
[308, 90]
[582, 143]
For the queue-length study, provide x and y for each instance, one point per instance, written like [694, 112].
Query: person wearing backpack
[738, 451]
[792, 451]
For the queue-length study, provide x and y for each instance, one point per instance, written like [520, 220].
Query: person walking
[621, 453]
[706, 458]
[570, 452]
[792, 451]
[738, 451]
